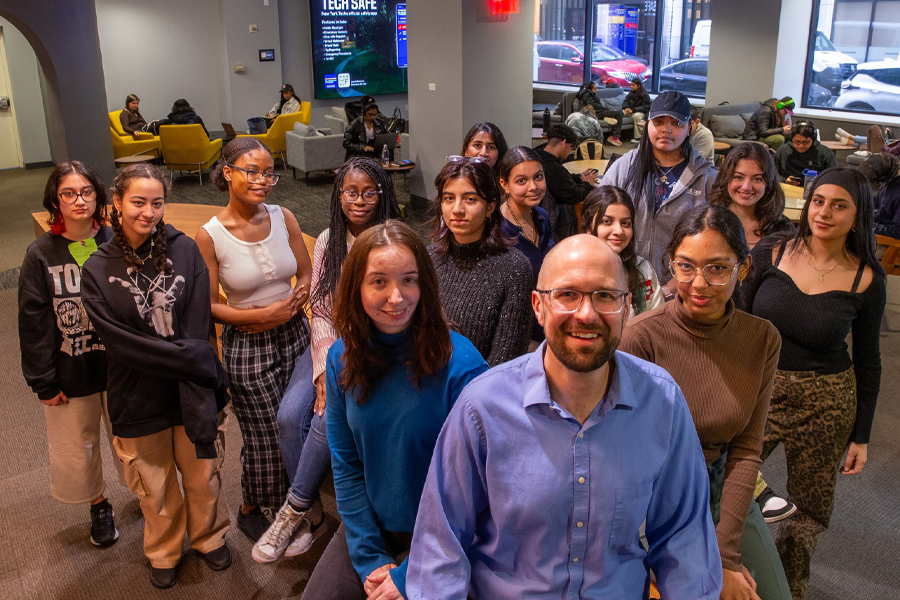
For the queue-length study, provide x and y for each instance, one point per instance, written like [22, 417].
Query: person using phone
[565, 189]
[802, 153]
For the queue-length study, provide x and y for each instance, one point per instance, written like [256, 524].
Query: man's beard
[588, 359]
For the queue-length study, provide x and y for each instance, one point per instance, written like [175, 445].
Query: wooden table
[392, 169]
[836, 146]
[577, 167]
[793, 201]
[721, 146]
[137, 158]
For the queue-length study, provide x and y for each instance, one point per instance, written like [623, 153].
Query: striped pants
[259, 367]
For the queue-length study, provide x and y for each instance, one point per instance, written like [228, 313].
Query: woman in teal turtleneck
[391, 380]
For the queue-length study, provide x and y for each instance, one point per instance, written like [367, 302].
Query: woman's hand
[738, 585]
[57, 400]
[627, 112]
[279, 312]
[857, 456]
[319, 407]
[377, 577]
[370, 149]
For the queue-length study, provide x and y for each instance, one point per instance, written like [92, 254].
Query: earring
[488, 218]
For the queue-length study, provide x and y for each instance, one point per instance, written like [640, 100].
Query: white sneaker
[842, 133]
[309, 531]
[278, 536]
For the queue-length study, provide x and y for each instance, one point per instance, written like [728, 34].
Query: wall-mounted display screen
[359, 47]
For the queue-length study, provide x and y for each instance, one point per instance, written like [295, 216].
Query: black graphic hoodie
[61, 351]
[163, 372]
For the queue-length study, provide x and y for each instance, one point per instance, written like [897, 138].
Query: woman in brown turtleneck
[724, 360]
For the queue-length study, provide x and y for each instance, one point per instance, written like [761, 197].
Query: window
[851, 63]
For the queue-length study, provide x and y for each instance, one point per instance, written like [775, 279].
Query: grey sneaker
[312, 527]
[272, 544]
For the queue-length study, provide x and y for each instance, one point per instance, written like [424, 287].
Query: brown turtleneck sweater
[726, 370]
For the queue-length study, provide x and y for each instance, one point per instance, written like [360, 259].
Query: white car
[875, 87]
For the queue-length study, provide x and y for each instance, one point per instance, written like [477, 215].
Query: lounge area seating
[308, 151]
[115, 122]
[274, 138]
[187, 148]
[126, 145]
[566, 105]
[727, 121]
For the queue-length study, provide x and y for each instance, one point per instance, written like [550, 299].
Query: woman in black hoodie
[147, 293]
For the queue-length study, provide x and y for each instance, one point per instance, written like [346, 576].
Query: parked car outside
[875, 87]
[700, 41]
[687, 76]
[563, 62]
[819, 96]
[831, 67]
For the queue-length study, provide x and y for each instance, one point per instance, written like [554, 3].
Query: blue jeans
[301, 435]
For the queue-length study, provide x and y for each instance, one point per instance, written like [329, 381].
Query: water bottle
[808, 177]
[385, 155]
[546, 120]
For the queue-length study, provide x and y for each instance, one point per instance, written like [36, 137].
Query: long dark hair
[129, 99]
[642, 170]
[282, 101]
[779, 117]
[770, 208]
[119, 188]
[595, 205]
[480, 177]
[364, 364]
[496, 135]
[336, 249]
[51, 194]
[516, 156]
[719, 219]
[860, 241]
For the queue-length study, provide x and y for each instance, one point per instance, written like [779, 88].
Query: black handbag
[396, 124]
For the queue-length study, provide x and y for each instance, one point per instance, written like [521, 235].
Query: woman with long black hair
[487, 141]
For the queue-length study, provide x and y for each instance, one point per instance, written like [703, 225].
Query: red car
[563, 62]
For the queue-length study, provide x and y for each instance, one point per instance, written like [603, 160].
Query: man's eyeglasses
[566, 301]
[257, 176]
[71, 196]
[685, 272]
[369, 197]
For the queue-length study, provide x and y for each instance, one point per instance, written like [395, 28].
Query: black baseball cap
[287, 88]
[671, 104]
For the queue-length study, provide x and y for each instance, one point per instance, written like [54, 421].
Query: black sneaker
[103, 527]
[219, 559]
[773, 507]
[163, 578]
[254, 524]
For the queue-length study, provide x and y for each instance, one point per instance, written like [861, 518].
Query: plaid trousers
[259, 367]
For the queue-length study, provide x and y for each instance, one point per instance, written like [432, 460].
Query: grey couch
[308, 153]
[566, 101]
[727, 121]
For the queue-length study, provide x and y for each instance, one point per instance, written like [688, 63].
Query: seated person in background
[558, 452]
[876, 141]
[354, 108]
[701, 137]
[636, 105]
[566, 189]
[182, 114]
[585, 124]
[881, 172]
[288, 103]
[803, 152]
[131, 118]
[788, 104]
[767, 125]
[359, 138]
[604, 108]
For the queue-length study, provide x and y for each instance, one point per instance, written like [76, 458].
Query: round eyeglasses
[71, 196]
[351, 196]
[258, 176]
[567, 301]
[685, 272]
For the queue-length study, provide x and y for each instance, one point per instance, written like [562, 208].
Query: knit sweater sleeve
[514, 325]
[742, 463]
[323, 332]
[866, 332]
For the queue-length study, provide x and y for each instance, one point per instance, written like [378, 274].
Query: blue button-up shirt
[524, 501]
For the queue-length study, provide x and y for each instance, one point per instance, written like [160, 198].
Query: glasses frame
[79, 195]
[457, 158]
[262, 176]
[703, 270]
[360, 195]
[622, 296]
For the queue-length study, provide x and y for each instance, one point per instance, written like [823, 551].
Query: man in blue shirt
[548, 464]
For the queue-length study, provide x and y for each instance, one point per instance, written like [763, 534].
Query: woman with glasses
[523, 187]
[253, 250]
[63, 360]
[724, 361]
[485, 140]
[362, 197]
[817, 286]
[664, 176]
[484, 283]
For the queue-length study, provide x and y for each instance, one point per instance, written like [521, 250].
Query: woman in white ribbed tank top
[253, 250]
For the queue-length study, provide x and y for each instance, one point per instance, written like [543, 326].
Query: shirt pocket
[630, 511]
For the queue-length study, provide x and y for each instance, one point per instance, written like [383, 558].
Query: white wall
[25, 79]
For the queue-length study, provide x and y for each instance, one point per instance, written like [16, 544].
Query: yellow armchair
[274, 137]
[186, 148]
[128, 146]
[115, 121]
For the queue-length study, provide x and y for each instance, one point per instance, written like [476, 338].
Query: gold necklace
[533, 237]
[665, 174]
[822, 272]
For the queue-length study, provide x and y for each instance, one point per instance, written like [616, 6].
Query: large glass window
[853, 62]
[624, 41]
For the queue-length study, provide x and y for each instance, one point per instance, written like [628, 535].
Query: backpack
[589, 149]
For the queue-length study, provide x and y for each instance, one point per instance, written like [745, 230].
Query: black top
[814, 327]
[355, 141]
[637, 101]
[565, 190]
[61, 350]
[887, 220]
[163, 372]
[488, 297]
[791, 163]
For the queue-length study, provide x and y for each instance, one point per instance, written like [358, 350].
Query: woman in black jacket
[637, 105]
[767, 125]
[182, 114]
[147, 293]
[359, 138]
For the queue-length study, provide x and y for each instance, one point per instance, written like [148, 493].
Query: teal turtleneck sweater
[381, 450]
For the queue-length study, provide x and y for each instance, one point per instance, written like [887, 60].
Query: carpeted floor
[46, 554]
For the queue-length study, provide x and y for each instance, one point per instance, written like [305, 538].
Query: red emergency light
[504, 7]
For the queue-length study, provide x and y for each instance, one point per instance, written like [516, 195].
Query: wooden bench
[891, 259]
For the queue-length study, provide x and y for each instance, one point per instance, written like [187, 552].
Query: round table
[577, 167]
[721, 146]
[137, 158]
[394, 168]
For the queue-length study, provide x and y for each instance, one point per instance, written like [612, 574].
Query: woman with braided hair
[253, 250]
[146, 292]
[363, 196]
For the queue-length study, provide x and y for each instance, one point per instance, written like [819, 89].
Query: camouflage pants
[813, 416]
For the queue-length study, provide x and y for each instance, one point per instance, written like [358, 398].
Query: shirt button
[575, 559]
[581, 480]
[579, 524]
[581, 434]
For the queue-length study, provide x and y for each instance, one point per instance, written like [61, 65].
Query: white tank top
[254, 273]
